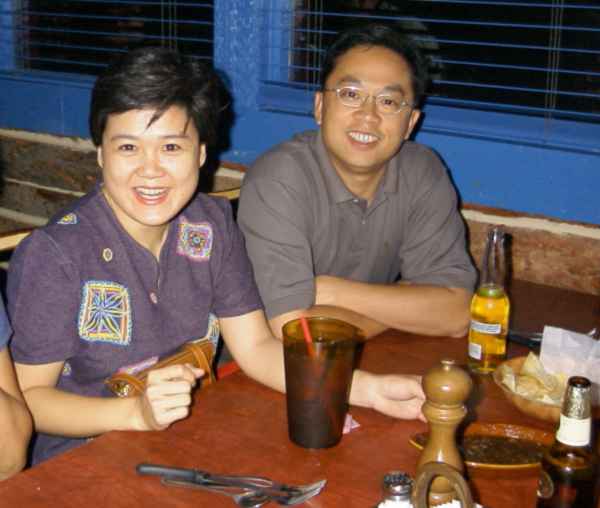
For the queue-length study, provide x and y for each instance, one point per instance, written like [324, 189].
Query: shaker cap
[397, 484]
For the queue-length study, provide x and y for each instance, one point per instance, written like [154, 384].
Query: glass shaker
[397, 490]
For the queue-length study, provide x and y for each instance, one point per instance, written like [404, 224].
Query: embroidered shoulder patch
[66, 371]
[70, 218]
[105, 313]
[213, 330]
[195, 240]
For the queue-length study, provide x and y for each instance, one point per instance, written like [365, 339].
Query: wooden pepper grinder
[446, 388]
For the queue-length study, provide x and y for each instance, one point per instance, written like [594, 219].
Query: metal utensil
[248, 497]
[245, 498]
[280, 492]
[529, 339]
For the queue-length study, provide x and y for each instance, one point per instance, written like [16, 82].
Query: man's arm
[427, 310]
[417, 308]
[260, 355]
[369, 326]
[15, 420]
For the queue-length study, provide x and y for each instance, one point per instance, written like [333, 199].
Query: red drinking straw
[307, 336]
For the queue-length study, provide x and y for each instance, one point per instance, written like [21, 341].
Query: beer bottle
[490, 308]
[567, 477]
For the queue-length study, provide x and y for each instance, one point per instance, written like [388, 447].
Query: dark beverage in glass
[318, 377]
[568, 473]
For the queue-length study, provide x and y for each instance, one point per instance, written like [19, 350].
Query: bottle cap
[397, 485]
[577, 403]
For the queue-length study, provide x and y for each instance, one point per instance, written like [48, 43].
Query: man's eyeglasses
[388, 103]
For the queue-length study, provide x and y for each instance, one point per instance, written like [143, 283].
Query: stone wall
[541, 250]
[41, 174]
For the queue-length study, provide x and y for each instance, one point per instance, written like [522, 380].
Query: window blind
[530, 57]
[82, 36]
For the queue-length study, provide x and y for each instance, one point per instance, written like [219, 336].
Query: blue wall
[496, 159]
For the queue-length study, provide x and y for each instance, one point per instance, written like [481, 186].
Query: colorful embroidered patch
[213, 330]
[195, 240]
[68, 219]
[66, 371]
[105, 313]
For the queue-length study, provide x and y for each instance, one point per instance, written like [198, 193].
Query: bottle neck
[574, 431]
[493, 263]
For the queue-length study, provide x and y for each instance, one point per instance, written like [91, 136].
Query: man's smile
[363, 137]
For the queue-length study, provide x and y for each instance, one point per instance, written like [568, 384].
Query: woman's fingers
[175, 372]
[167, 397]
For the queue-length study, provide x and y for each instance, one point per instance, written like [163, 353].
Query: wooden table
[238, 426]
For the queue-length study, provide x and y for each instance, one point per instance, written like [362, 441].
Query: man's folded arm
[369, 326]
[418, 308]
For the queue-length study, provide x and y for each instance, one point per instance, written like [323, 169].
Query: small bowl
[540, 410]
[504, 430]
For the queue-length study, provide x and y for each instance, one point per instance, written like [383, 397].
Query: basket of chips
[532, 389]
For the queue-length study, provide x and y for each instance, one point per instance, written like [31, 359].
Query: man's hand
[391, 394]
[167, 397]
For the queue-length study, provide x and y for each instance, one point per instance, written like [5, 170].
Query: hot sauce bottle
[568, 473]
[490, 308]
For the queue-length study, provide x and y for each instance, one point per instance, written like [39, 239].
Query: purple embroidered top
[81, 290]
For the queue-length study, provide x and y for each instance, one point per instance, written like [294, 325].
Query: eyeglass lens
[388, 103]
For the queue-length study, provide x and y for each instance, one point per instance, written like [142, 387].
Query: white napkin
[402, 504]
[573, 354]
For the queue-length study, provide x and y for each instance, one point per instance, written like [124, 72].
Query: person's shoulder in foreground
[15, 420]
[355, 221]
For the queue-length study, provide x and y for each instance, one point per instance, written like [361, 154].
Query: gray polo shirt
[82, 291]
[299, 220]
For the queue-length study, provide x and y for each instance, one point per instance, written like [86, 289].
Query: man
[354, 221]
[15, 420]
[134, 269]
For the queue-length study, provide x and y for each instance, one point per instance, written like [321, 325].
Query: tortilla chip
[557, 394]
[533, 367]
[507, 377]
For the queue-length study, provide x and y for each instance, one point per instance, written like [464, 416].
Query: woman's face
[150, 172]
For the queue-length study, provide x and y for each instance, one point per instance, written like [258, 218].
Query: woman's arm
[166, 399]
[15, 420]
[260, 355]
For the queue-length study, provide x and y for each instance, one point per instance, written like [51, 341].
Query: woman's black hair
[157, 78]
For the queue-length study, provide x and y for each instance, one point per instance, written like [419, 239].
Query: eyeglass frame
[405, 104]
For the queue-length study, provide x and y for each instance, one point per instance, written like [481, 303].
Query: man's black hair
[157, 78]
[377, 34]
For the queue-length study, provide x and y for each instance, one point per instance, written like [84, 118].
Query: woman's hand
[167, 397]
